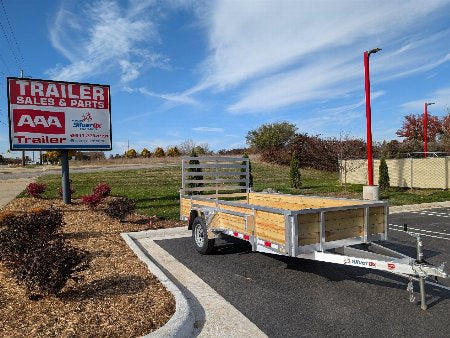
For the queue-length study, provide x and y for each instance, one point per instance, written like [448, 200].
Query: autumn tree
[412, 128]
[130, 153]
[173, 152]
[146, 153]
[159, 152]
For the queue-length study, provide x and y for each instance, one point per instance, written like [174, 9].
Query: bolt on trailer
[216, 199]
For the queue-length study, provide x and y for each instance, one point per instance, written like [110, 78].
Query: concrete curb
[182, 322]
[417, 207]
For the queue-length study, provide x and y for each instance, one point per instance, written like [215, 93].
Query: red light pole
[425, 129]
[369, 116]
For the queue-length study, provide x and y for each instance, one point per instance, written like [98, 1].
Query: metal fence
[432, 172]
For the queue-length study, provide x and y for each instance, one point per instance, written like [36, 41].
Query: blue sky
[213, 70]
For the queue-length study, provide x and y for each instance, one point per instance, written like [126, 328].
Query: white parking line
[431, 213]
[422, 234]
[418, 229]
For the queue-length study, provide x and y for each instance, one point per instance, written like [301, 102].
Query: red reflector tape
[267, 244]
[235, 234]
[246, 237]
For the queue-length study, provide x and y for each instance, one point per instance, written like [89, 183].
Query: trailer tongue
[314, 228]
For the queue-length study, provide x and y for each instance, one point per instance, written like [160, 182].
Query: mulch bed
[117, 295]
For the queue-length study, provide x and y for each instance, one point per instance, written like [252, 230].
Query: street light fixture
[369, 116]
[425, 128]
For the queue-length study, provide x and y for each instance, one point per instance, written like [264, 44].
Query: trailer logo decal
[360, 262]
[391, 266]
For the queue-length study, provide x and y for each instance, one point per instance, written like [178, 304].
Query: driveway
[288, 297]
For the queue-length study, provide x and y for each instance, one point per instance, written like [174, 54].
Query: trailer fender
[192, 216]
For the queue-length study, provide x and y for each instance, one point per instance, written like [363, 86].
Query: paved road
[287, 297]
[8, 173]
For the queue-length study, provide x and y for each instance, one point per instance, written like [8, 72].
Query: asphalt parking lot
[292, 297]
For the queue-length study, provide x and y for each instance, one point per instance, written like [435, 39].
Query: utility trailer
[216, 199]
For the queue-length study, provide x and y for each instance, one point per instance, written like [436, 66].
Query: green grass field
[155, 190]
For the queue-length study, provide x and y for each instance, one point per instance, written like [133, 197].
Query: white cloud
[102, 38]
[208, 129]
[440, 97]
[341, 116]
[282, 53]
[174, 97]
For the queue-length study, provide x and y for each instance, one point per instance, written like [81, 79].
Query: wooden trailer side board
[339, 224]
[267, 225]
[293, 202]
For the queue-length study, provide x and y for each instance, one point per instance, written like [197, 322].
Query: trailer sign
[46, 114]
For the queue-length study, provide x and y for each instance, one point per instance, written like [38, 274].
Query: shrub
[383, 179]
[173, 152]
[159, 152]
[131, 153]
[46, 269]
[296, 180]
[20, 232]
[120, 207]
[91, 201]
[146, 153]
[102, 189]
[32, 247]
[36, 189]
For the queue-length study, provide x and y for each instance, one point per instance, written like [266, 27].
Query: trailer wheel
[202, 243]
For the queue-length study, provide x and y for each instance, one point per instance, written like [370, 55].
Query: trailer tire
[202, 243]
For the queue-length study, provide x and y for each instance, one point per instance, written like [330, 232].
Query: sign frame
[30, 147]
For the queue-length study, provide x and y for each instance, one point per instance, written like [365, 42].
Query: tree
[412, 128]
[52, 156]
[271, 136]
[173, 152]
[146, 153]
[296, 178]
[383, 178]
[159, 152]
[131, 153]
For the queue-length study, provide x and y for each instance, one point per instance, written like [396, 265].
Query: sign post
[65, 181]
[56, 115]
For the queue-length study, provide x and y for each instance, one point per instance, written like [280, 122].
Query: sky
[211, 71]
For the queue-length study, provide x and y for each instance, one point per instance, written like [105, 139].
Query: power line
[12, 33]
[11, 49]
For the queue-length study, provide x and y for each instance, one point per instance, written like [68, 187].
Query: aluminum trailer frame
[374, 257]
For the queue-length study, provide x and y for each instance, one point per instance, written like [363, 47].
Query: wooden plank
[343, 233]
[313, 202]
[376, 228]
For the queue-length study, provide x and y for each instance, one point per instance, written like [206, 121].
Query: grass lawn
[155, 190]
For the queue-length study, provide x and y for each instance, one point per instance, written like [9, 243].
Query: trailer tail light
[246, 237]
[268, 244]
[235, 234]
